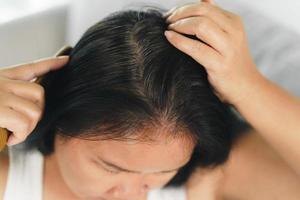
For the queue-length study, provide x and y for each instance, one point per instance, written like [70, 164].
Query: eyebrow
[132, 171]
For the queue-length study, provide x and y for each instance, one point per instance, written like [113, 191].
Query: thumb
[12, 140]
[34, 69]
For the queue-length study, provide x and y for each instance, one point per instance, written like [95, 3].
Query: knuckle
[180, 9]
[202, 23]
[183, 7]
[177, 11]
[204, 8]
[200, 27]
[37, 114]
[40, 91]
[25, 127]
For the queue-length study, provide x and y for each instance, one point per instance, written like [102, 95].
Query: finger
[28, 108]
[199, 51]
[169, 12]
[208, 1]
[15, 122]
[215, 13]
[12, 140]
[30, 91]
[205, 29]
[34, 69]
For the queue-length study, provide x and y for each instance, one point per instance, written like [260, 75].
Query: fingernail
[62, 57]
[171, 25]
[166, 14]
[169, 18]
[168, 34]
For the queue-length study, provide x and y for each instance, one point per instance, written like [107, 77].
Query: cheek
[159, 180]
[81, 175]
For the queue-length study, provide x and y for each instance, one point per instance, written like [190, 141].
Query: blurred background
[33, 29]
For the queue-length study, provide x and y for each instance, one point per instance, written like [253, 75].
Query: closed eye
[105, 165]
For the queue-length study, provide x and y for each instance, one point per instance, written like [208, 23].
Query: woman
[110, 110]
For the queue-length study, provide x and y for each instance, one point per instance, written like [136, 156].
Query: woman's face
[111, 170]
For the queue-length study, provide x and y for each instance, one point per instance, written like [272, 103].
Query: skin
[233, 74]
[75, 170]
[247, 175]
[253, 171]
[21, 100]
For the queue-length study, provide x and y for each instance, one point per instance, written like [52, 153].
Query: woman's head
[127, 96]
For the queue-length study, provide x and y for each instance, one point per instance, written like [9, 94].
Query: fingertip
[52, 59]
[166, 15]
[60, 62]
[209, 1]
[168, 34]
[63, 58]
[12, 141]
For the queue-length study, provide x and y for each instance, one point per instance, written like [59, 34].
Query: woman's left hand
[224, 51]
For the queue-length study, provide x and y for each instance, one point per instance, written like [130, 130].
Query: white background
[32, 29]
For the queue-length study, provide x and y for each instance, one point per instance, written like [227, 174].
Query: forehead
[140, 156]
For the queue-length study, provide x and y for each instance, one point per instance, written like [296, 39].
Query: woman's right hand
[22, 100]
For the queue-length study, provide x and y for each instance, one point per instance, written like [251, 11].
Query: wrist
[249, 87]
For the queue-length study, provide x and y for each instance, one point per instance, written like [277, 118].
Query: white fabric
[172, 193]
[25, 178]
[25, 175]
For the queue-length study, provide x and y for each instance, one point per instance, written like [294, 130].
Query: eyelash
[118, 172]
[105, 169]
[111, 171]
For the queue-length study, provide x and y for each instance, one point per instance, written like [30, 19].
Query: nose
[129, 191]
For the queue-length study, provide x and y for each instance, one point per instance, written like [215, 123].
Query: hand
[21, 100]
[224, 51]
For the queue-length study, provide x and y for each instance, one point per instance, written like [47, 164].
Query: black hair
[123, 76]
